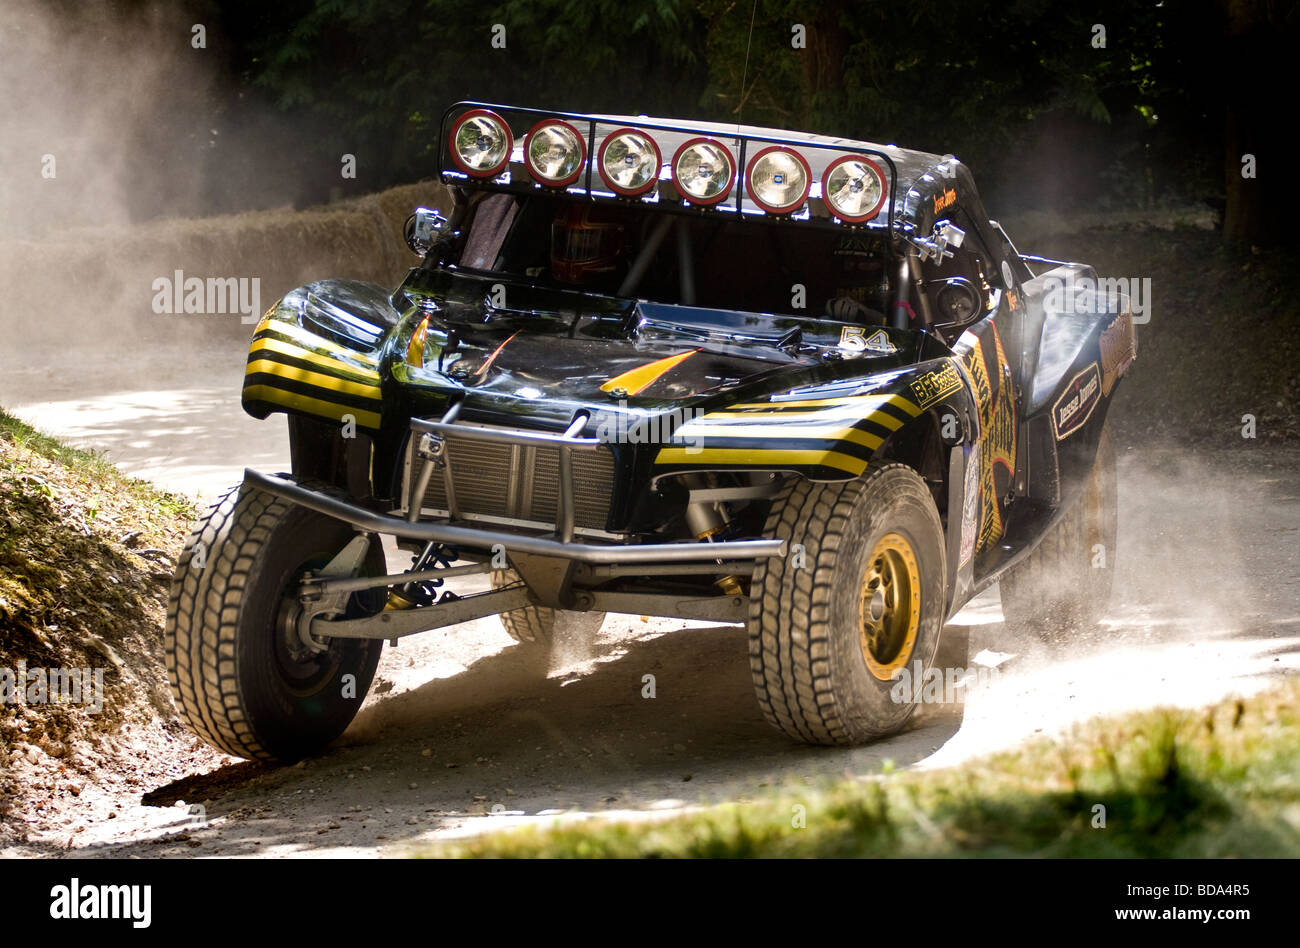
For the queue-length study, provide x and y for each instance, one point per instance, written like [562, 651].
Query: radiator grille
[522, 482]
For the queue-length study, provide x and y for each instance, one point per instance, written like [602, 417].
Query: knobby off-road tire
[820, 674]
[1063, 587]
[538, 626]
[233, 672]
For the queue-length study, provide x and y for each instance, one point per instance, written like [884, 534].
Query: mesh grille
[522, 483]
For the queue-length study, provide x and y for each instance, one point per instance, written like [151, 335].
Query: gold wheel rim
[890, 606]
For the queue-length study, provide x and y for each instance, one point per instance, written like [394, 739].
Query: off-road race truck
[668, 368]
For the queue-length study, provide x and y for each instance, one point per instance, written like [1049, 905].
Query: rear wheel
[1063, 587]
[833, 625]
[538, 627]
[241, 675]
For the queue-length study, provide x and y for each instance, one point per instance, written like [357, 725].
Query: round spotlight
[481, 143]
[554, 152]
[853, 188]
[703, 171]
[629, 162]
[777, 180]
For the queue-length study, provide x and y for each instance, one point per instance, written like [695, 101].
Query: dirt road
[463, 733]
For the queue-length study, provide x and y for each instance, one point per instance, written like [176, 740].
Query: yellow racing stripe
[319, 379]
[642, 377]
[848, 400]
[826, 416]
[761, 456]
[696, 430]
[309, 338]
[312, 406]
[298, 352]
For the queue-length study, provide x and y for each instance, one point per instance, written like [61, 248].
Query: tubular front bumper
[480, 539]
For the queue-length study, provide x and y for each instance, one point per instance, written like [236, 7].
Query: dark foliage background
[1021, 91]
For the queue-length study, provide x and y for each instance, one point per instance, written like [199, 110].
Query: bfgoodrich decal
[1076, 403]
[932, 386]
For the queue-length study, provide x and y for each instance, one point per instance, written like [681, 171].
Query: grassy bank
[1220, 782]
[85, 560]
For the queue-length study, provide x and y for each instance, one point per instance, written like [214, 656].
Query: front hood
[514, 348]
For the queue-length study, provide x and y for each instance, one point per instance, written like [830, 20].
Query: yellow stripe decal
[885, 420]
[311, 339]
[814, 402]
[855, 401]
[844, 462]
[638, 379]
[312, 406]
[829, 416]
[331, 382]
[898, 401]
[325, 362]
[857, 436]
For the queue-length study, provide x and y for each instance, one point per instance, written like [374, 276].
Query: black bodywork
[1000, 411]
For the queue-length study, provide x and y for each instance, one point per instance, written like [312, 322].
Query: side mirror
[422, 230]
[949, 234]
[946, 234]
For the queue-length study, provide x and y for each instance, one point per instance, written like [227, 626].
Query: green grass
[86, 556]
[1219, 782]
[85, 563]
[80, 465]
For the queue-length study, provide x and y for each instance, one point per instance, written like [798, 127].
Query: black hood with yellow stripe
[733, 389]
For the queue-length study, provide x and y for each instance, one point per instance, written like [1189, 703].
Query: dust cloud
[1203, 604]
[104, 116]
[129, 153]
[104, 121]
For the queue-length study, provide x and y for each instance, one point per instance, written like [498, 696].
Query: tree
[382, 72]
[1256, 72]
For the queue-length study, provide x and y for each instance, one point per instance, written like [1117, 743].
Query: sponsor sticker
[990, 384]
[855, 339]
[932, 386]
[1073, 409]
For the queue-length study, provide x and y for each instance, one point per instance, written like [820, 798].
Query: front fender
[827, 432]
[1084, 359]
[317, 353]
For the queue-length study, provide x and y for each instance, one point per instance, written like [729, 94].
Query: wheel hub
[890, 606]
[305, 659]
[877, 606]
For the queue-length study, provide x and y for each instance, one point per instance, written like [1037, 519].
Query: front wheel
[538, 627]
[241, 675]
[856, 604]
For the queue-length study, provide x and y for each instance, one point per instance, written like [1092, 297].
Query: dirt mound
[85, 561]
